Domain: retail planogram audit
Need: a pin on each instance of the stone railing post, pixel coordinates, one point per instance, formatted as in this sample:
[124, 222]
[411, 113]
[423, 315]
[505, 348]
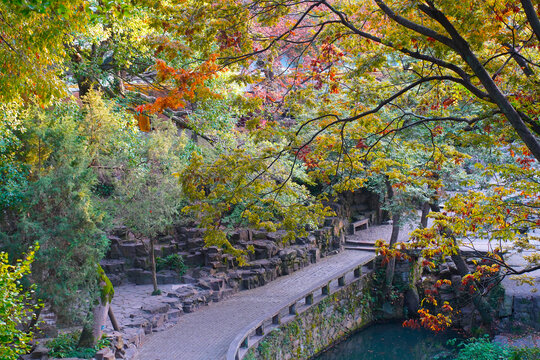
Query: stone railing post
[325, 290]
[292, 309]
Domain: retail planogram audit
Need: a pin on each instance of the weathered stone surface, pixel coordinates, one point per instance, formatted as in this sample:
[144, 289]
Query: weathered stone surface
[506, 307]
[158, 320]
[131, 353]
[241, 235]
[139, 276]
[167, 239]
[113, 266]
[194, 243]
[259, 235]
[40, 351]
[287, 254]
[523, 309]
[277, 236]
[195, 259]
[167, 277]
[167, 250]
[104, 354]
[135, 337]
[119, 231]
[312, 329]
[183, 291]
[127, 250]
[142, 250]
[193, 232]
[142, 262]
[314, 255]
[210, 283]
[156, 307]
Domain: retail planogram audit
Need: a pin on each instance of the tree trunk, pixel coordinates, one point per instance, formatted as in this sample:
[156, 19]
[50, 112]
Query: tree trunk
[425, 212]
[32, 324]
[479, 302]
[463, 49]
[85, 85]
[93, 327]
[153, 264]
[393, 240]
[114, 322]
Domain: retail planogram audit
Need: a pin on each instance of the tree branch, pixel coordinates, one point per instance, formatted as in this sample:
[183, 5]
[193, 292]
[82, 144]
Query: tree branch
[532, 17]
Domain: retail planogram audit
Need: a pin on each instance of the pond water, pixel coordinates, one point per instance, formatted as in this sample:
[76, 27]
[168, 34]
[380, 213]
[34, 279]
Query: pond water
[392, 342]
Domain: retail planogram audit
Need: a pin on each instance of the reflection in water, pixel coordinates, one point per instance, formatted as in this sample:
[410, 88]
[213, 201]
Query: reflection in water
[391, 342]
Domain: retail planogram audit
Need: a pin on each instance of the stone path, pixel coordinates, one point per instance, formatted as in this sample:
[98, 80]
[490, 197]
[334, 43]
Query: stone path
[207, 333]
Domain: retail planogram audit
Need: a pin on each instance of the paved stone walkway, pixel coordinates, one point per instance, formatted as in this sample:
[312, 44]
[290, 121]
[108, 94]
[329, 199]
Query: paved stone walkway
[207, 333]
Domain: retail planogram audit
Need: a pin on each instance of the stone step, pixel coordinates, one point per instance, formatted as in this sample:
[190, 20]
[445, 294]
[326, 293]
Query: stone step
[361, 248]
[359, 242]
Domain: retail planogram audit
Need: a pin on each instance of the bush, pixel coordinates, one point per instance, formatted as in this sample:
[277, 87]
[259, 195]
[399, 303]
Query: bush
[172, 262]
[483, 349]
[525, 354]
[17, 307]
[65, 346]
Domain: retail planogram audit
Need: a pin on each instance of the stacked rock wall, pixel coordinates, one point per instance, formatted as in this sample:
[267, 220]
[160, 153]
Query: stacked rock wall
[128, 258]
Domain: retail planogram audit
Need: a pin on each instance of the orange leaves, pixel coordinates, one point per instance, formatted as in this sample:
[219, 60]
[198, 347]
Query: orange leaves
[437, 323]
[437, 130]
[446, 307]
[442, 282]
[228, 40]
[361, 144]
[187, 84]
[411, 323]
[447, 102]
[143, 122]
[388, 253]
[467, 279]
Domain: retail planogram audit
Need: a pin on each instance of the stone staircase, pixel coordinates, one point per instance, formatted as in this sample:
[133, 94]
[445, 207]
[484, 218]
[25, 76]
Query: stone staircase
[355, 242]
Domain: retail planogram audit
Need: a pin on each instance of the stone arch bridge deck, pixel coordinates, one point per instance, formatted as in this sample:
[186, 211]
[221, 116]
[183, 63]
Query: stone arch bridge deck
[207, 333]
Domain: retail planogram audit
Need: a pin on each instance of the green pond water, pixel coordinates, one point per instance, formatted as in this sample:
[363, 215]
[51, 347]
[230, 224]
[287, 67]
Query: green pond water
[392, 342]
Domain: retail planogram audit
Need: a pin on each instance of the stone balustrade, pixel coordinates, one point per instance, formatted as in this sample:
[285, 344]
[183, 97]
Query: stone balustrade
[256, 332]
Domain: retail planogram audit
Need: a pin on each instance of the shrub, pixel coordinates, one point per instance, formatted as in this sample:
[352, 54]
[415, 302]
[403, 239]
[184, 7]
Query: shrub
[481, 349]
[525, 354]
[172, 262]
[17, 307]
[65, 346]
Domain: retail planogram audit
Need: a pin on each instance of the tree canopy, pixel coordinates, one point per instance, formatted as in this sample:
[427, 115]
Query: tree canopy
[290, 103]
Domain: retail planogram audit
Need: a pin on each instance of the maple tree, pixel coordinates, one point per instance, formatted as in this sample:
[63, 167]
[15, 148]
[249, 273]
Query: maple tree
[356, 77]
[391, 95]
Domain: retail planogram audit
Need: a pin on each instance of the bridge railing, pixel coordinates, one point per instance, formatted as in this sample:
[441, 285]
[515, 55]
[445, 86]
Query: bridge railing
[255, 332]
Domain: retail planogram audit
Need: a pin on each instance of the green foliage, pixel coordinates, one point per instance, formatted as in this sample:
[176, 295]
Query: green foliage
[65, 346]
[107, 289]
[148, 195]
[63, 149]
[17, 306]
[480, 349]
[172, 262]
[13, 172]
[525, 354]
[57, 209]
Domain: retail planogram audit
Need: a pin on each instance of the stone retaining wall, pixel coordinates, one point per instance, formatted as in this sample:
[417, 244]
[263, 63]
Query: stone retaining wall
[320, 326]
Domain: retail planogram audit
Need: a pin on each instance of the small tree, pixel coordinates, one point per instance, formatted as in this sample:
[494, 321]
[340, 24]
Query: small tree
[149, 193]
[17, 307]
